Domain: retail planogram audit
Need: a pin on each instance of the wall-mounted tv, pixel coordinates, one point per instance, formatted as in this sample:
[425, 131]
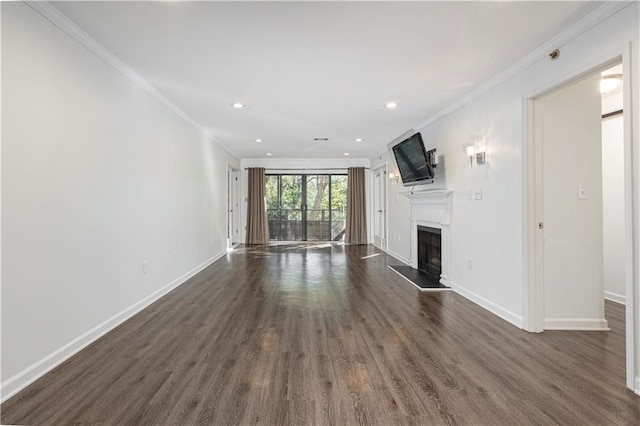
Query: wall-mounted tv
[414, 162]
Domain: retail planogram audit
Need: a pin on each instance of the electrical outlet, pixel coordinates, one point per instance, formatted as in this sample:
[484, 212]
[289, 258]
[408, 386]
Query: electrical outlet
[478, 194]
[469, 263]
[145, 267]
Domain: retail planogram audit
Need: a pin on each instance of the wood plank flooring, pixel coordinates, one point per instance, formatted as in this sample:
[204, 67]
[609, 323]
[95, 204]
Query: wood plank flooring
[319, 335]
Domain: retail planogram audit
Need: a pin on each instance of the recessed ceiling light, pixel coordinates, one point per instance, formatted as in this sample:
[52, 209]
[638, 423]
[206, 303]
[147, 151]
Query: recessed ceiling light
[258, 140]
[610, 82]
[238, 105]
[358, 139]
[391, 105]
[268, 154]
[346, 153]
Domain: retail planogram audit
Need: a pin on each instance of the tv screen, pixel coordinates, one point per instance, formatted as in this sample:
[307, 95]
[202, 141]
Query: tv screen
[413, 161]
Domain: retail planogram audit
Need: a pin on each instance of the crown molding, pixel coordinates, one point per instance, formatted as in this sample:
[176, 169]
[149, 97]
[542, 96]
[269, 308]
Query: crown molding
[61, 21]
[608, 9]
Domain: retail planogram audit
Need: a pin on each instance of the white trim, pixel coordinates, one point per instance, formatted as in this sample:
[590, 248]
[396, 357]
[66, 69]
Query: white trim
[580, 27]
[1, 190]
[60, 20]
[636, 389]
[490, 306]
[631, 281]
[577, 324]
[417, 286]
[529, 241]
[24, 378]
[615, 297]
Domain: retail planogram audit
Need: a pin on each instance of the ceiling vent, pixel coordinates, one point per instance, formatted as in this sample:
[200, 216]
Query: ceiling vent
[320, 139]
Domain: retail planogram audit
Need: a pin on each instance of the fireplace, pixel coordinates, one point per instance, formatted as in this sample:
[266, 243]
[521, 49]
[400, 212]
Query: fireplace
[430, 250]
[432, 210]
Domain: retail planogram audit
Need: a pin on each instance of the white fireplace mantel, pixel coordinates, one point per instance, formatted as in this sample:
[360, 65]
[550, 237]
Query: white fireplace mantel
[432, 209]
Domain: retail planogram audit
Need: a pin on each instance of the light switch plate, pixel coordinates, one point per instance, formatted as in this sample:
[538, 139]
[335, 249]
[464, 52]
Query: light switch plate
[582, 192]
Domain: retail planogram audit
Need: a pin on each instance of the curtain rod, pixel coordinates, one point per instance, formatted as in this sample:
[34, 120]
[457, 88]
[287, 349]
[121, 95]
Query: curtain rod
[311, 168]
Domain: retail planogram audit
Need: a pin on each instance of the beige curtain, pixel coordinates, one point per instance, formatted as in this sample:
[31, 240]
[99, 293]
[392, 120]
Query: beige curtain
[257, 225]
[356, 231]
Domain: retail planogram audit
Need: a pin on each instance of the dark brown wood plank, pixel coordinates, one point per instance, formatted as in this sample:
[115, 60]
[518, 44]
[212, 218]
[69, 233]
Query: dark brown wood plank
[317, 335]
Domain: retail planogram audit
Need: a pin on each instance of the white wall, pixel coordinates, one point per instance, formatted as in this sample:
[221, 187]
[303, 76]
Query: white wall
[490, 231]
[613, 200]
[302, 166]
[97, 177]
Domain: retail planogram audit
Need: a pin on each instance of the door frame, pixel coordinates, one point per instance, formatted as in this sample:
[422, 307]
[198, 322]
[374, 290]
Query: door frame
[304, 205]
[533, 289]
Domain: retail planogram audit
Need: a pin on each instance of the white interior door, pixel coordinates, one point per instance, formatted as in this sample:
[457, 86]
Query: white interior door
[229, 208]
[569, 146]
[235, 196]
[379, 208]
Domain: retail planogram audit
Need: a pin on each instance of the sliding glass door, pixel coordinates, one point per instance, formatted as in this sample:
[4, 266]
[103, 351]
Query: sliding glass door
[306, 207]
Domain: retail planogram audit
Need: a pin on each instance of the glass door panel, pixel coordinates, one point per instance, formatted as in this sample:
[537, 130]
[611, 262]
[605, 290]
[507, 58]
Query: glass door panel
[318, 212]
[338, 207]
[291, 228]
[272, 194]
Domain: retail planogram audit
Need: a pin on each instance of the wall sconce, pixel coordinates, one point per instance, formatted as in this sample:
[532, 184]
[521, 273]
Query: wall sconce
[479, 157]
[471, 151]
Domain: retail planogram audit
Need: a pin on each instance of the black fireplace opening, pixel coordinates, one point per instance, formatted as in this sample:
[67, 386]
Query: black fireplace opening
[429, 251]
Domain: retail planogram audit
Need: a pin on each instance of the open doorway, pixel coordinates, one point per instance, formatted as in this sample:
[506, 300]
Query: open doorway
[613, 231]
[579, 198]
[568, 138]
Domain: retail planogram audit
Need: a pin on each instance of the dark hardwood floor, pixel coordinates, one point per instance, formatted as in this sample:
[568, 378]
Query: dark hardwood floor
[319, 335]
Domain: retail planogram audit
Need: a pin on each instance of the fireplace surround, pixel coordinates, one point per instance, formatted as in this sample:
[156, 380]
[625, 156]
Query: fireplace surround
[432, 209]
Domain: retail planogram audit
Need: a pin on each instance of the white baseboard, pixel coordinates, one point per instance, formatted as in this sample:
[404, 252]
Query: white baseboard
[397, 256]
[637, 386]
[578, 324]
[19, 381]
[615, 297]
[503, 313]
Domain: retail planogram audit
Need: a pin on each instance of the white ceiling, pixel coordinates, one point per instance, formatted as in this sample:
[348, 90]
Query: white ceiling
[318, 69]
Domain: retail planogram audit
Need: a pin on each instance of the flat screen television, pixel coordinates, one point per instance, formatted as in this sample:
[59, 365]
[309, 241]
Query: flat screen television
[414, 162]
